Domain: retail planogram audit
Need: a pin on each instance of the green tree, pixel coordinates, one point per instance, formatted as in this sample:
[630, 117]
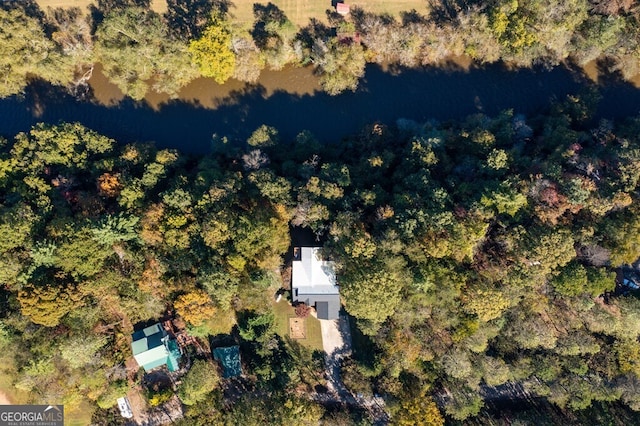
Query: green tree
[273, 34]
[363, 283]
[80, 256]
[113, 391]
[80, 351]
[69, 145]
[513, 27]
[199, 382]
[263, 136]
[115, 229]
[26, 50]
[418, 411]
[620, 234]
[505, 200]
[261, 238]
[487, 304]
[341, 65]
[134, 48]
[571, 281]
[221, 285]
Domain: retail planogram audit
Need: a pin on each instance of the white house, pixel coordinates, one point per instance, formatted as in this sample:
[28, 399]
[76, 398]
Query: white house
[313, 282]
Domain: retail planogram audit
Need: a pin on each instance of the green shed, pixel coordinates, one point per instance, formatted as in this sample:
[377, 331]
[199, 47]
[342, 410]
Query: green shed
[153, 348]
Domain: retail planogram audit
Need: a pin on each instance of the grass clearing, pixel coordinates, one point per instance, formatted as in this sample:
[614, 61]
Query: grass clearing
[222, 323]
[79, 416]
[283, 311]
[300, 11]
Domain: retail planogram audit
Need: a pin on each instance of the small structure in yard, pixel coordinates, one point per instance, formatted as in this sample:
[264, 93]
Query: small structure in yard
[125, 407]
[152, 347]
[342, 9]
[313, 282]
[229, 357]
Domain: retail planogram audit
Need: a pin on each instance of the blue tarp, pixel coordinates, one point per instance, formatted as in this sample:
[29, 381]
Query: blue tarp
[230, 359]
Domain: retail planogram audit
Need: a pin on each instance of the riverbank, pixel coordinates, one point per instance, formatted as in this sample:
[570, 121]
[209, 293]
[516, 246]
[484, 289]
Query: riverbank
[301, 81]
[236, 110]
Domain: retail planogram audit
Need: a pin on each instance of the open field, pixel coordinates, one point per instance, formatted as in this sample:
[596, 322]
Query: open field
[298, 11]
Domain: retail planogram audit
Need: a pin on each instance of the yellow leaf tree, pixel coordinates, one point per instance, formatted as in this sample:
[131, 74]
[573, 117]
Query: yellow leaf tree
[46, 305]
[212, 51]
[418, 411]
[195, 307]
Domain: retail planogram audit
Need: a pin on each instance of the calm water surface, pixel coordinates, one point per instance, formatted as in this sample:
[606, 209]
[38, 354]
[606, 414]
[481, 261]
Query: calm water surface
[291, 101]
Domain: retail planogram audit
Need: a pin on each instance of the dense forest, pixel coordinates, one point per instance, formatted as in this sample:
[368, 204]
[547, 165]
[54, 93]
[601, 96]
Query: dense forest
[473, 256]
[141, 50]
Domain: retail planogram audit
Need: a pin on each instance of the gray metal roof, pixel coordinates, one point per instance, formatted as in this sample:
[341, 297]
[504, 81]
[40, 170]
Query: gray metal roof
[327, 305]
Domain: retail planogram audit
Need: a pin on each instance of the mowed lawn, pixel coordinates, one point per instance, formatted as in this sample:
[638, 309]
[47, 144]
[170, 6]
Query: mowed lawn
[298, 11]
[283, 311]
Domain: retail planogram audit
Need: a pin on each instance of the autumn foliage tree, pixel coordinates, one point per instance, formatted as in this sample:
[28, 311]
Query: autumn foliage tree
[212, 52]
[195, 307]
[302, 310]
[418, 410]
[48, 305]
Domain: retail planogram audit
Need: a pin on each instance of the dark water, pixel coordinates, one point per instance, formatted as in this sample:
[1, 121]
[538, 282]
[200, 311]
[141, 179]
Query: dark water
[384, 97]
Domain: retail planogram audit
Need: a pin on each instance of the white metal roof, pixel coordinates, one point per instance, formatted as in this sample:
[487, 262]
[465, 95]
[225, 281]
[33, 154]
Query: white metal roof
[312, 275]
[125, 407]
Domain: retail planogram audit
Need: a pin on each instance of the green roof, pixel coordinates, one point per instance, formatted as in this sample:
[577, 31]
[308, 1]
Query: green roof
[152, 348]
[230, 360]
[174, 355]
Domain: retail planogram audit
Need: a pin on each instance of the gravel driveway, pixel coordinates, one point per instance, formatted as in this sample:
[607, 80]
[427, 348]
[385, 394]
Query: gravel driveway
[336, 341]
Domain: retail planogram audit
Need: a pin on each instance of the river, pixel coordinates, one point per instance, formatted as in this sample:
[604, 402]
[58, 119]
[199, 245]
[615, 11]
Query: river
[291, 101]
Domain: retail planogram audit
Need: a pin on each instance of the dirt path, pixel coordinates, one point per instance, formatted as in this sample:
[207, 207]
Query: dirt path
[4, 399]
